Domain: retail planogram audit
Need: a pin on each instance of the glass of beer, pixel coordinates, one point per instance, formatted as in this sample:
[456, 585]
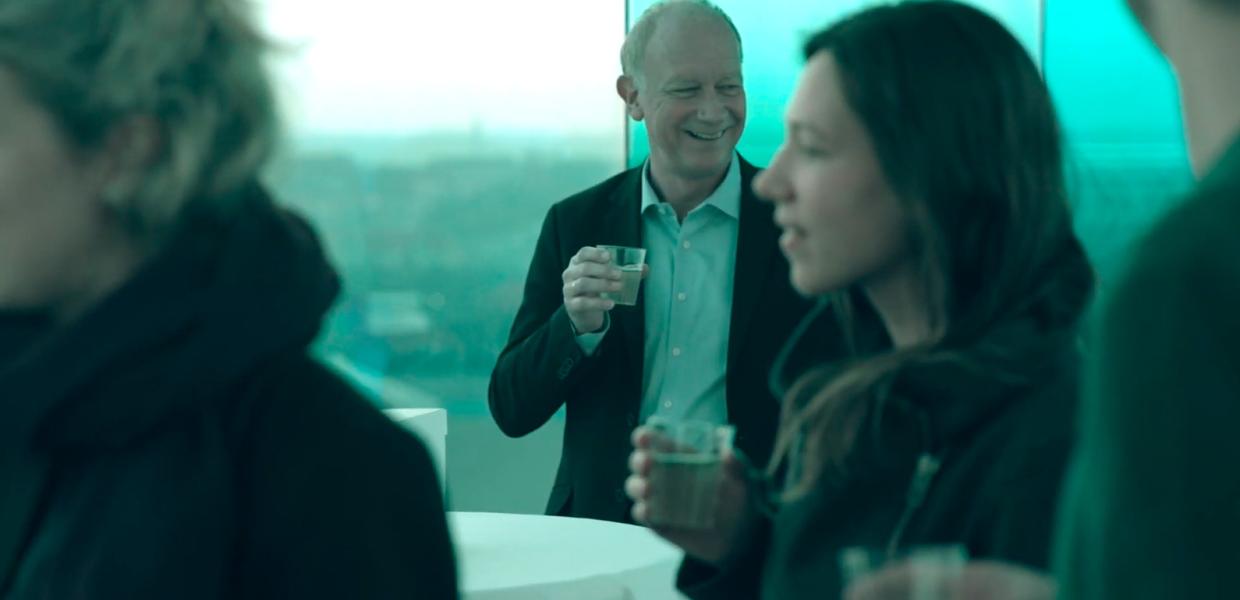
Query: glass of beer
[630, 262]
[685, 476]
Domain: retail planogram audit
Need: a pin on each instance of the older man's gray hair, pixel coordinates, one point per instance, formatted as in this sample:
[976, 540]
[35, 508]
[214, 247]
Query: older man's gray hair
[633, 53]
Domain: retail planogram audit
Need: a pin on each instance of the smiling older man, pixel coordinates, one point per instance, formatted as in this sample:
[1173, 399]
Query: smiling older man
[714, 307]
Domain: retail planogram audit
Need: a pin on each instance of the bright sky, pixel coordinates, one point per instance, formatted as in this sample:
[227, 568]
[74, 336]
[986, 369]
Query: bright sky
[400, 66]
[396, 66]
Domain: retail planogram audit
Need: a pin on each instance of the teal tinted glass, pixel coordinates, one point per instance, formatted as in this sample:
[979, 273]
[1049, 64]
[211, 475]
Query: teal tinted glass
[772, 34]
[427, 159]
[1115, 96]
[1117, 99]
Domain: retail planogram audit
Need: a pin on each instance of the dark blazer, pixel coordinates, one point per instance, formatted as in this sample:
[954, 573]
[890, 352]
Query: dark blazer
[961, 455]
[177, 441]
[542, 368]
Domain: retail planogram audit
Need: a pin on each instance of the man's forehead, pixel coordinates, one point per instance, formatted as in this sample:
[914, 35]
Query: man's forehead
[708, 60]
[698, 72]
[683, 39]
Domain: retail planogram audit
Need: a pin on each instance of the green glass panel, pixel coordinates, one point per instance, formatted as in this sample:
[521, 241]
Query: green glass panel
[773, 33]
[1115, 95]
[1117, 99]
[425, 143]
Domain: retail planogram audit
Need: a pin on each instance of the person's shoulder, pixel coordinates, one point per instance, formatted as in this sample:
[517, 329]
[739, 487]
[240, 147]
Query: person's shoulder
[1035, 431]
[1175, 300]
[1198, 238]
[316, 460]
[296, 401]
[1183, 274]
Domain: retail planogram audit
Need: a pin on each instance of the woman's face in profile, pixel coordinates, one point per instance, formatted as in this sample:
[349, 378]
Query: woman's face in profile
[842, 223]
[50, 218]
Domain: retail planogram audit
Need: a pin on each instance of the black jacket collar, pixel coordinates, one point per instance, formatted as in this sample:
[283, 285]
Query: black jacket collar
[223, 296]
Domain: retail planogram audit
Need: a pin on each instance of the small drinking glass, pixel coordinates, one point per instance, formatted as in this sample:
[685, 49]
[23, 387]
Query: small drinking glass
[685, 476]
[630, 262]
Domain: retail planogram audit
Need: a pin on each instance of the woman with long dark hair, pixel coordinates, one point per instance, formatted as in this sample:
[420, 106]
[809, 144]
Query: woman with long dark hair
[922, 197]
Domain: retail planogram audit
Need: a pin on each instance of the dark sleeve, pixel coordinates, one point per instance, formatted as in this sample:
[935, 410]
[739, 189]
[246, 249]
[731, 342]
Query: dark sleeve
[18, 331]
[343, 503]
[1022, 525]
[739, 577]
[1152, 508]
[542, 362]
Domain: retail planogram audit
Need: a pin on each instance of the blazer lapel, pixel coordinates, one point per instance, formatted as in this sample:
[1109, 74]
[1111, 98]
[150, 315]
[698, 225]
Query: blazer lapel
[756, 244]
[623, 227]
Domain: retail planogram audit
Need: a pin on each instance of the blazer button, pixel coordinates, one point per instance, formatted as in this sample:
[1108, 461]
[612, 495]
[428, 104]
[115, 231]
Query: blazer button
[566, 367]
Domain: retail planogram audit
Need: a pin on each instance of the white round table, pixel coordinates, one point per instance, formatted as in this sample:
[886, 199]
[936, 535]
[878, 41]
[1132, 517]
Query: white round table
[535, 557]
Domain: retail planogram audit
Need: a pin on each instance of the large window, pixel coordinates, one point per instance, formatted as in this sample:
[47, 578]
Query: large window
[1118, 102]
[427, 145]
[426, 142]
[773, 33]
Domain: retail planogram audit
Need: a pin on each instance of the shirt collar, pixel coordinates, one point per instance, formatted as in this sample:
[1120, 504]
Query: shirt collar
[726, 198]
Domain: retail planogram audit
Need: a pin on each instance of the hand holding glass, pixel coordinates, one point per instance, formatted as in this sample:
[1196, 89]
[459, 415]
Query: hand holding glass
[630, 261]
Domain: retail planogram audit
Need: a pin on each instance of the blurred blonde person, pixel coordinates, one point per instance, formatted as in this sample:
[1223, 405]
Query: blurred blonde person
[163, 431]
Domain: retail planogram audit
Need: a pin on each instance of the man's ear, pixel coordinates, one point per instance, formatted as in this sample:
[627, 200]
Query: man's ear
[626, 87]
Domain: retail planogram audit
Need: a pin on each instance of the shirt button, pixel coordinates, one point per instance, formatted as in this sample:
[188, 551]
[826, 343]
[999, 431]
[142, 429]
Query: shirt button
[681, 296]
[667, 404]
[687, 244]
[675, 351]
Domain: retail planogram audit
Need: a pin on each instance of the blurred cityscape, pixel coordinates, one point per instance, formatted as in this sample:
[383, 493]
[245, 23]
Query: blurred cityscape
[433, 231]
[433, 235]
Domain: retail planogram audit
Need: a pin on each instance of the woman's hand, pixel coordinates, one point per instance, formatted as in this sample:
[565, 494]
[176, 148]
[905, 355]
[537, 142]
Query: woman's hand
[734, 506]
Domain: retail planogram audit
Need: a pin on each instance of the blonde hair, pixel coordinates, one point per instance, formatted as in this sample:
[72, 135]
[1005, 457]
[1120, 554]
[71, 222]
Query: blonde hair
[633, 52]
[195, 67]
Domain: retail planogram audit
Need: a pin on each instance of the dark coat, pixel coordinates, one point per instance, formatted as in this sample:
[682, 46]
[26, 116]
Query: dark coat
[961, 456]
[177, 441]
